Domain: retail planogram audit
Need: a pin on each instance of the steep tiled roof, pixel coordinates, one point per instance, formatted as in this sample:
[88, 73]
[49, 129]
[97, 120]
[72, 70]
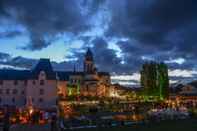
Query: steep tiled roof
[43, 65]
[14, 74]
[64, 75]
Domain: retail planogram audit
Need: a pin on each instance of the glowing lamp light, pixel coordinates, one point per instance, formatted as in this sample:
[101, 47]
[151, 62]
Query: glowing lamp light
[31, 111]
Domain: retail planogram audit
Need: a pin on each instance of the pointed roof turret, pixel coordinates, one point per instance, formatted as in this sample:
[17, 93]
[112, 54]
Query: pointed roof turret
[89, 55]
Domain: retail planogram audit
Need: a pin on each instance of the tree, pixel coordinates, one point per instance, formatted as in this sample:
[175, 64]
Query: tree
[154, 80]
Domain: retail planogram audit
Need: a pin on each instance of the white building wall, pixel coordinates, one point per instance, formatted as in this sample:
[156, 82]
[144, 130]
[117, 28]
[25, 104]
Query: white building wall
[19, 95]
[12, 94]
[42, 99]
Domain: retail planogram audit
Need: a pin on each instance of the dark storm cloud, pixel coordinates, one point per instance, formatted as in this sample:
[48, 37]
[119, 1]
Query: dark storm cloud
[44, 18]
[105, 58]
[4, 56]
[10, 34]
[92, 6]
[150, 22]
[155, 29]
[160, 29]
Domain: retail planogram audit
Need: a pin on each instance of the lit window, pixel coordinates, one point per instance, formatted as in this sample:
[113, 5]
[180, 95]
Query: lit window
[41, 82]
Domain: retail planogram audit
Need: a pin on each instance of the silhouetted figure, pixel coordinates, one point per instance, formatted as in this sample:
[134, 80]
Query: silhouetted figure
[6, 125]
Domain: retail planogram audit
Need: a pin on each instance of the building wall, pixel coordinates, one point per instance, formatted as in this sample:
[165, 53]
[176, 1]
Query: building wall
[29, 92]
[26, 92]
[42, 95]
[12, 92]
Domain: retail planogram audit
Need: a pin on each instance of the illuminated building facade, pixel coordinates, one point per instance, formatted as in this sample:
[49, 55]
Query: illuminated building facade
[88, 82]
[188, 93]
[35, 87]
[41, 86]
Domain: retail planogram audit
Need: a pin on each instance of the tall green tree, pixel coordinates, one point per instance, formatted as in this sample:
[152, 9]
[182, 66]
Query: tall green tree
[154, 79]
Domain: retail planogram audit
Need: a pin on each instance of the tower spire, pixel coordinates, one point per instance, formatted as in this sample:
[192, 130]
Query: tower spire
[89, 62]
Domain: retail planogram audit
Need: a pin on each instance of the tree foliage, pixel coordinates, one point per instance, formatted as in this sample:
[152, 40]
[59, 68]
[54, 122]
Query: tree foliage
[155, 80]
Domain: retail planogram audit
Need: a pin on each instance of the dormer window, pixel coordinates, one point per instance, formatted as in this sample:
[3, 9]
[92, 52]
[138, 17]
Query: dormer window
[42, 75]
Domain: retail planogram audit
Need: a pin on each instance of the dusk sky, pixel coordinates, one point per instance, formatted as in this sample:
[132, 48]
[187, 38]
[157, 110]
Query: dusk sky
[122, 34]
